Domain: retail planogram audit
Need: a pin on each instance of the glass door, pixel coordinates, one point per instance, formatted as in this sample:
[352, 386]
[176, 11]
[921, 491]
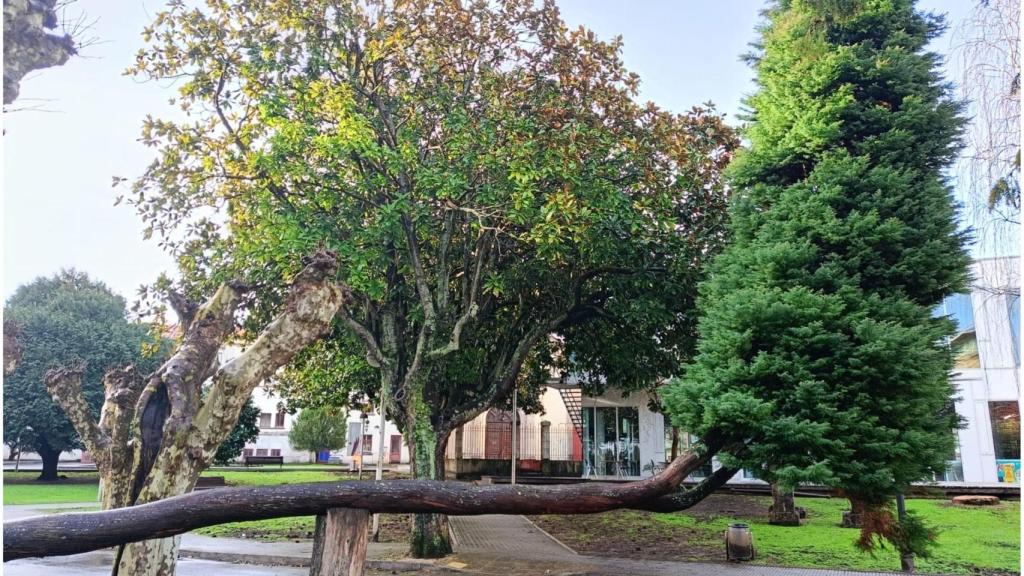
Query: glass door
[611, 441]
[629, 441]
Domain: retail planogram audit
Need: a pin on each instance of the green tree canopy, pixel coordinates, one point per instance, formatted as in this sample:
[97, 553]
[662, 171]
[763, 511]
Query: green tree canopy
[817, 345]
[62, 320]
[484, 174]
[319, 429]
[246, 430]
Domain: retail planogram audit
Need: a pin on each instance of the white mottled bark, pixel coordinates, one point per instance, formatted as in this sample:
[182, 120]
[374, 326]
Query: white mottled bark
[108, 440]
[193, 431]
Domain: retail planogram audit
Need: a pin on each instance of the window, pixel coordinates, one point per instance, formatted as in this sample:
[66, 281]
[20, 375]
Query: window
[265, 420]
[964, 342]
[367, 443]
[1014, 306]
[1005, 418]
[275, 451]
[247, 452]
[279, 420]
[261, 451]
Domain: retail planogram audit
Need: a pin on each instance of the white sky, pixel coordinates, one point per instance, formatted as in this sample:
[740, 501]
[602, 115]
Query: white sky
[59, 163]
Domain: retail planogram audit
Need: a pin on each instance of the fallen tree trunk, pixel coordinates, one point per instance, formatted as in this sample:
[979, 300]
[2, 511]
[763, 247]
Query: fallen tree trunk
[63, 534]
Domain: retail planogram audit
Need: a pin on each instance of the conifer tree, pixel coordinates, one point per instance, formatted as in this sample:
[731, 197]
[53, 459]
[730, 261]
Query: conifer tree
[817, 342]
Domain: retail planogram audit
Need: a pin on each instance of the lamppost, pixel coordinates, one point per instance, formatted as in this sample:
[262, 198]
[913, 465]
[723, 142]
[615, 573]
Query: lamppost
[362, 436]
[515, 430]
[379, 474]
[17, 461]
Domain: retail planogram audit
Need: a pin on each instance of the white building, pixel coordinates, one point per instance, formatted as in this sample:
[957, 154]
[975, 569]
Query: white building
[275, 423]
[987, 373]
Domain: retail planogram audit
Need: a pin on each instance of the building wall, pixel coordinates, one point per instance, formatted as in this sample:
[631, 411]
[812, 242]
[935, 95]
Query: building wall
[996, 281]
[371, 451]
[651, 429]
[275, 437]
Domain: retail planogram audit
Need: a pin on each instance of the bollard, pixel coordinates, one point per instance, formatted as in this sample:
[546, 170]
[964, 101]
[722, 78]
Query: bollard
[739, 543]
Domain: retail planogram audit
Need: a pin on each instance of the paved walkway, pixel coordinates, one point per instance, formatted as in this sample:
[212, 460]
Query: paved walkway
[504, 535]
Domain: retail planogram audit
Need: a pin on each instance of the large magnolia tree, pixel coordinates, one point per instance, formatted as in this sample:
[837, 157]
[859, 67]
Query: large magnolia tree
[491, 188]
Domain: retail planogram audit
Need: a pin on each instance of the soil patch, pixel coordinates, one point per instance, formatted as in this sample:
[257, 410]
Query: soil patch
[635, 534]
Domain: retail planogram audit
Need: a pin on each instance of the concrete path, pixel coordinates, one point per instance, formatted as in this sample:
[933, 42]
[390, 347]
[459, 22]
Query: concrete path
[499, 534]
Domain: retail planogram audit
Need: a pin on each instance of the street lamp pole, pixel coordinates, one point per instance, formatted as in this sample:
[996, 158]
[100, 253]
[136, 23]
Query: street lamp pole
[515, 429]
[362, 448]
[380, 469]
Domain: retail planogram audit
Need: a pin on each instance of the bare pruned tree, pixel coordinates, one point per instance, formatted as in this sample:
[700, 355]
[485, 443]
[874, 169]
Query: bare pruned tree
[987, 51]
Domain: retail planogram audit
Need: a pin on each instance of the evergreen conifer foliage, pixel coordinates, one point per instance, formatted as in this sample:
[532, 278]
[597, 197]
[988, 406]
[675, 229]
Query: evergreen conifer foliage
[817, 342]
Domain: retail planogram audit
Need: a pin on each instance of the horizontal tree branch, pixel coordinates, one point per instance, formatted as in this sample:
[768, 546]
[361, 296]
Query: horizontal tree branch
[63, 534]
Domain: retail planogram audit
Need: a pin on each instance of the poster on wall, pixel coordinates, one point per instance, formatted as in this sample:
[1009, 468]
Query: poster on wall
[1008, 471]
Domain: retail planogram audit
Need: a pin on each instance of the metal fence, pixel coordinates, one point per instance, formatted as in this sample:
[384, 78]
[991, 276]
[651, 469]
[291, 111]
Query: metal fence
[494, 441]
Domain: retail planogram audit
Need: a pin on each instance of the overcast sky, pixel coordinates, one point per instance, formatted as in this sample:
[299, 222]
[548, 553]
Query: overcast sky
[59, 161]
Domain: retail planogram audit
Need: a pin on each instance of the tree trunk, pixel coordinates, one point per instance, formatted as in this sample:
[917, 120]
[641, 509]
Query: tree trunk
[675, 442]
[430, 536]
[854, 517]
[783, 511]
[339, 543]
[51, 458]
[149, 558]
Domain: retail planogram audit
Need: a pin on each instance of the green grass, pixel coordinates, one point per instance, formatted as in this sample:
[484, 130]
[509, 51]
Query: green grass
[20, 488]
[272, 529]
[262, 477]
[985, 538]
[49, 493]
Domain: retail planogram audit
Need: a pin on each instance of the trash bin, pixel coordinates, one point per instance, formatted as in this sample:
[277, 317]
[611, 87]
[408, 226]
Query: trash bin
[739, 543]
[323, 456]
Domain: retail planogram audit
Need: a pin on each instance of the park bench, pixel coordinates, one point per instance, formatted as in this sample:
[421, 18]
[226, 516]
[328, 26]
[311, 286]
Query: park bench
[279, 460]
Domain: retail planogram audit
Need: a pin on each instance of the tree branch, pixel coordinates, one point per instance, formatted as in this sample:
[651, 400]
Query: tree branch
[688, 498]
[65, 387]
[313, 300]
[374, 357]
[426, 299]
[62, 534]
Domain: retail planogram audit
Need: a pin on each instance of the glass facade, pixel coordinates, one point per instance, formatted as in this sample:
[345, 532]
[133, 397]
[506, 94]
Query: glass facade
[965, 342]
[1005, 418]
[1014, 307]
[611, 441]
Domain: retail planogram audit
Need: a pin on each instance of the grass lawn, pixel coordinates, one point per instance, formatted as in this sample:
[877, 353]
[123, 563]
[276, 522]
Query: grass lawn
[984, 540]
[49, 493]
[21, 487]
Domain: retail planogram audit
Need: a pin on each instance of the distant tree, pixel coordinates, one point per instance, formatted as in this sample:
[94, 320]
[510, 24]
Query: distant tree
[246, 430]
[318, 429]
[62, 320]
[817, 341]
